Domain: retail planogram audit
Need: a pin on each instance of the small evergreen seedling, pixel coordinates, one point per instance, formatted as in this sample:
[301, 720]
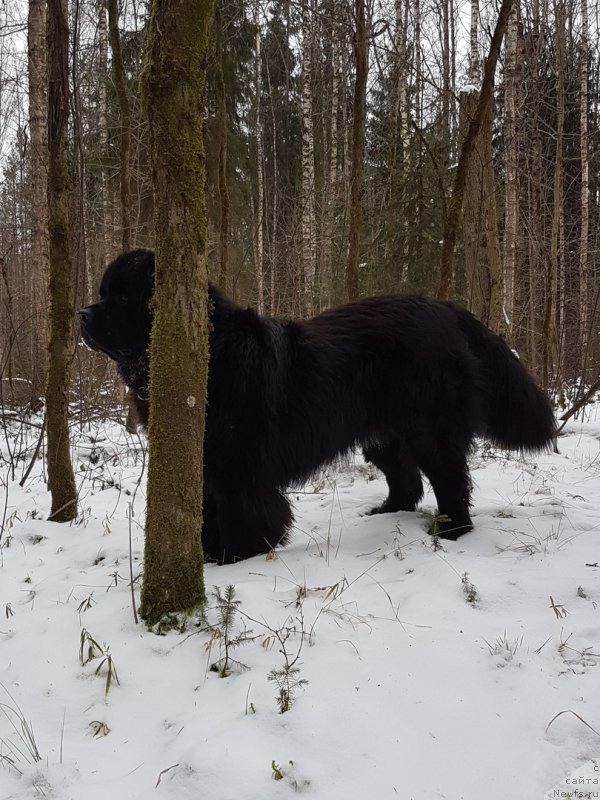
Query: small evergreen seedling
[287, 681]
[224, 632]
[469, 590]
[286, 678]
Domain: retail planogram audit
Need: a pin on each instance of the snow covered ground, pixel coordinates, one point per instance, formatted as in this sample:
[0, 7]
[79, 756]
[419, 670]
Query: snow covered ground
[431, 673]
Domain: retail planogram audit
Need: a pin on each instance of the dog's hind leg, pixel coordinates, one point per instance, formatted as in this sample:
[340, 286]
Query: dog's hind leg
[405, 487]
[444, 464]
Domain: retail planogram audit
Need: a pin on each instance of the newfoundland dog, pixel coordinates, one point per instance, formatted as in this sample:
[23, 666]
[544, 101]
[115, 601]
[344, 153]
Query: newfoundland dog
[410, 380]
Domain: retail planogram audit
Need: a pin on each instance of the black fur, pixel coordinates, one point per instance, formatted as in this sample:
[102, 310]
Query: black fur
[410, 380]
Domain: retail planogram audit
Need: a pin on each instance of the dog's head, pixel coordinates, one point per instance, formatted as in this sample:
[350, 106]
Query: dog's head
[120, 323]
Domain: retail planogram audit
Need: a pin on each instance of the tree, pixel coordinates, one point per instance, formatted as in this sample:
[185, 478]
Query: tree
[309, 234]
[105, 240]
[36, 60]
[61, 480]
[361, 62]
[549, 337]
[584, 276]
[451, 223]
[260, 184]
[511, 190]
[174, 79]
[223, 132]
[118, 72]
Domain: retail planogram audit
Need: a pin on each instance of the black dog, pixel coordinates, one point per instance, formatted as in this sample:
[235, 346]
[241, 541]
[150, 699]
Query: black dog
[411, 380]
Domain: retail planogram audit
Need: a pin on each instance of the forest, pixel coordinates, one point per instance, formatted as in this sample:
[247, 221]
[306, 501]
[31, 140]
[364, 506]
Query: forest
[256, 594]
[333, 137]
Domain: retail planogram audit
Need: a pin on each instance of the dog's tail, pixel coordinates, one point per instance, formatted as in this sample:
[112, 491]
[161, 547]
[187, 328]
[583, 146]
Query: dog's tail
[517, 413]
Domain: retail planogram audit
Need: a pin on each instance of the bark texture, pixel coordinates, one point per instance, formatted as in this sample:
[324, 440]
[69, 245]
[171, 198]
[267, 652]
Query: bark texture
[221, 97]
[36, 61]
[584, 271]
[61, 481]
[361, 62]
[452, 221]
[309, 233]
[511, 196]
[174, 80]
[120, 82]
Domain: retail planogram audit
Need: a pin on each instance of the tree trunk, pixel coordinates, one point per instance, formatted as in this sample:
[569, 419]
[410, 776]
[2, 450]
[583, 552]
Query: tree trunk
[511, 196]
[106, 230]
[120, 82]
[495, 275]
[275, 209]
[549, 329]
[309, 247]
[61, 481]
[224, 280]
[480, 227]
[452, 220]
[331, 170]
[477, 278]
[361, 62]
[36, 52]
[260, 198]
[445, 139]
[477, 282]
[79, 207]
[174, 81]
[584, 273]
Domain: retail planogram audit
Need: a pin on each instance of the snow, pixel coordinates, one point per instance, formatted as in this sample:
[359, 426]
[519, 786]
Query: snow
[431, 673]
[469, 88]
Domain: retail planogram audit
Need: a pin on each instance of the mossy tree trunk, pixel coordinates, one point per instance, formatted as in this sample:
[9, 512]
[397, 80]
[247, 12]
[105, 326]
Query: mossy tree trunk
[61, 480]
[174, 79]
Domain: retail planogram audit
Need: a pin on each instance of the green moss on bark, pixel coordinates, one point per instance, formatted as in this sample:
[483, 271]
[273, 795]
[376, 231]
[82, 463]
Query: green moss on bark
[173, 83]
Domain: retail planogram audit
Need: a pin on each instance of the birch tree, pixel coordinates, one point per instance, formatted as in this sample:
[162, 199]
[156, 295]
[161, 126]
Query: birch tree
[309, 247]
[36, 61]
